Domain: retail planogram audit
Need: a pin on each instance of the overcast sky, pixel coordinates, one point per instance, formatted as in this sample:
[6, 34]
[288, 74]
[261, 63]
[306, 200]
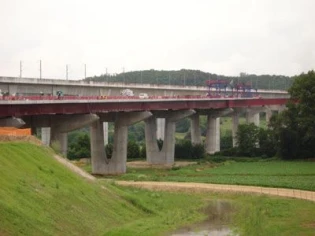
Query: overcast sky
[218, 36]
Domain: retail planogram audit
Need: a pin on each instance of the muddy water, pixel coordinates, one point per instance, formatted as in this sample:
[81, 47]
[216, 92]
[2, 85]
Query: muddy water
[219, 215]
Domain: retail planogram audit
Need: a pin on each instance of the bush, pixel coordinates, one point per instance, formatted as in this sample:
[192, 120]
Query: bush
[133, 150]
[226, 142]
[185, 150]
[198, 151]
[81, 148]
[109, 150]
[143, 152]
[247, 139]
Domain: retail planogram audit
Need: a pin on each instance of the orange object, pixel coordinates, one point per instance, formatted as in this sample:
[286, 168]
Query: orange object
[14, 131]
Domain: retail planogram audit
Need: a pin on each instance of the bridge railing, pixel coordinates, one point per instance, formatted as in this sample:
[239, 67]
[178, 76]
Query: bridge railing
[103, 97]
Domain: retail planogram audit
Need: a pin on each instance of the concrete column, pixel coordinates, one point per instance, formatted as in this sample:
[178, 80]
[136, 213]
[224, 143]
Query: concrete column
[117, 163]
[45, 134]
[98, 155]
[195, 129]
[218, 135]
[169, 142]
[105, 131]
[62, 125]
[235, 123]
[61, 139]
[166, 155]
[160, 131]
[252, 116]
[152, 149]
[268, 115]
[210, 144]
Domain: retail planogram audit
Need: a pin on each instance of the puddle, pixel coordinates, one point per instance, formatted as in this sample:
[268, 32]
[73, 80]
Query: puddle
[219, 215]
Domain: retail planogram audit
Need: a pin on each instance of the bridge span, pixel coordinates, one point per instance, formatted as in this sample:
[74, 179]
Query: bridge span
[33, 103]
[58, 116]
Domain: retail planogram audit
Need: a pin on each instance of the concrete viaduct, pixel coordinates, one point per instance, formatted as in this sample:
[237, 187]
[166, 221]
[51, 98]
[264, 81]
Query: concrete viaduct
[57, 117]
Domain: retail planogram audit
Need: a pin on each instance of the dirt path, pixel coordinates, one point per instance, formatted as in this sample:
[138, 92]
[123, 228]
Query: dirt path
[200, 187]
[74, 168]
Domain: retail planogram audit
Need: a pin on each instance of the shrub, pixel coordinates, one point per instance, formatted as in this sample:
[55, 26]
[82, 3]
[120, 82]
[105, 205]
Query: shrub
[109, 150]
[133, 150]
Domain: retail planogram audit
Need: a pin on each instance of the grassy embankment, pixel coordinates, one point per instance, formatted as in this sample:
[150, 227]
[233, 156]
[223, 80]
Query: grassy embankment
[38, 196]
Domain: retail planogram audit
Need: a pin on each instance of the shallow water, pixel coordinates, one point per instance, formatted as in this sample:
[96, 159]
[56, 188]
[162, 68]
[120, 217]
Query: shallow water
[219, 213]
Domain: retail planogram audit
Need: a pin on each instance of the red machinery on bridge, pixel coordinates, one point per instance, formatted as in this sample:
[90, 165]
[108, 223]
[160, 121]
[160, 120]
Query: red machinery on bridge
[224, 88]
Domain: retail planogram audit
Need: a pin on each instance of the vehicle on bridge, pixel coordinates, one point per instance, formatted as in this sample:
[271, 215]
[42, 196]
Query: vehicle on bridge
[127, 92]
[143, 95]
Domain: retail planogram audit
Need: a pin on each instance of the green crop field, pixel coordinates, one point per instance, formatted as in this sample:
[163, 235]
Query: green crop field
[284, 174]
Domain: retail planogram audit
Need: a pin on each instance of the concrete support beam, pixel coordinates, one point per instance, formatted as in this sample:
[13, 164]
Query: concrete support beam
[195, 129]
[235, 123]
[63, 125]
[166, 155]
[211, 140]
[105, 131]
[218, 135]
[117, 164]
[268, 114]
[253, 116]
[212, 143]
[99, 160]
[45, 134]
[11, 122]
[160, 134]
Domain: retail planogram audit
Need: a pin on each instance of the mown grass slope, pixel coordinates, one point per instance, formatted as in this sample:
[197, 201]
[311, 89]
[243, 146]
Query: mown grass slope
[38, 196]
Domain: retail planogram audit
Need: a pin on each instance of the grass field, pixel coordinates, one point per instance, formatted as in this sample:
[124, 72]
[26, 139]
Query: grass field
[284, 174]
[39, 196]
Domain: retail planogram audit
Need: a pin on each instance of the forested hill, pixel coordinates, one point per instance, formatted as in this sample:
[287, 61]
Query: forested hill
[195, 77]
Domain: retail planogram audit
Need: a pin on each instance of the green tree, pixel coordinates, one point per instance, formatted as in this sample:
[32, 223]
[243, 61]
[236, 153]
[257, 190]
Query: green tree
[295, 127]
[133, 150]
[247, 139]
[81, 148]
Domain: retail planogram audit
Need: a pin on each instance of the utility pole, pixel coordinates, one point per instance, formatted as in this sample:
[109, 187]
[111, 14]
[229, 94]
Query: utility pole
[106, 75]
[20, 69]
[40, 69]
[184, 78]
[195, 78]
[141, 77]
[169, 79]
[84, 71]
[124, 75]
[67, 72]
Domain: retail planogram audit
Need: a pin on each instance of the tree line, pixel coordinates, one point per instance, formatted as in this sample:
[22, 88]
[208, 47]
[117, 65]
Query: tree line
[187, 77]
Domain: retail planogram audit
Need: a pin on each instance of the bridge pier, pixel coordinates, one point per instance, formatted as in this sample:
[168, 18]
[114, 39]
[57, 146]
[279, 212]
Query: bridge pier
[166, 154]
[195, 129]
[212, 143]
[235, 123]
[117, 163]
